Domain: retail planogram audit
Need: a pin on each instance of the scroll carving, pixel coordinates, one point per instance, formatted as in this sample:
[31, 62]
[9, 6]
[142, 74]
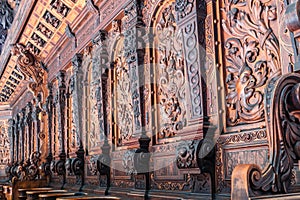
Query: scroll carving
[28, 170]
[283, 104]
[252, 58]
[171, 78]
[32, 69]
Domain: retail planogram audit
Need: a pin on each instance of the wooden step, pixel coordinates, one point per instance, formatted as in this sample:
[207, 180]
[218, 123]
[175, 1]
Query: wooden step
[34, 195]
[22, 191]
[53, 196]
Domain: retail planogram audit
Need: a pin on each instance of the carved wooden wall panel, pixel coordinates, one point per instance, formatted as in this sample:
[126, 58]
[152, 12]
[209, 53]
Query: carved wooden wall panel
[239, 148]
[251, 56]
[122, 98]
[171, 81]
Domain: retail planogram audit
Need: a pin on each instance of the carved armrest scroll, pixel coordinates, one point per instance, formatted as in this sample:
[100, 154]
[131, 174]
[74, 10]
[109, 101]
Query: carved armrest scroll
[283, 125]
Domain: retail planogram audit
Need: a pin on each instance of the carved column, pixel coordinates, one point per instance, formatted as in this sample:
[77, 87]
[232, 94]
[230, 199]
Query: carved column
[100, 65]
[16, 136]
[77, 92]
[28, 129]
[100, 79]
[36, 124]
[21, 135]
[49, 111]
[11, 139]
[61, 104]
[134, 50]
[134, 54]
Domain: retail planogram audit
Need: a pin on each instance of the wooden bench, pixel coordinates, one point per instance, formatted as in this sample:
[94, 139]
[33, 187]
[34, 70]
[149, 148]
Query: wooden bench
[22, 192]
[53, 196]
[89, 197]
[34, 195]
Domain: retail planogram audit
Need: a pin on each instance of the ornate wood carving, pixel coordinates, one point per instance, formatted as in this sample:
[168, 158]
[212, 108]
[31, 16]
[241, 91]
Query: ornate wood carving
[282, 98]
[125, 118]
[6, 142]
[6, 19]
[134, 55]
[171, 78]
[293, 24]
[11, 136]
[245, 139]
[28, 130]
[59, 166]
[60, 7]
[187, 22]
[32, 69]
[252, 58]
[77, 94]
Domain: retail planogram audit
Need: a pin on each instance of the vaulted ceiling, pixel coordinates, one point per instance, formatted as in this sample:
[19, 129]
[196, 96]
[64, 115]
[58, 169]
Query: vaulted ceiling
[40, 30]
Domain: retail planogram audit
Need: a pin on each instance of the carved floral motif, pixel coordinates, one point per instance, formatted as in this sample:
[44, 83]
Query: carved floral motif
[171, 80]
[183, 7]
[124, 101]
[252, 57]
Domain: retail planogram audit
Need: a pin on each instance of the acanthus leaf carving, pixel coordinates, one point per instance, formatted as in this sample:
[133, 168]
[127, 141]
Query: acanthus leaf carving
[252, 58]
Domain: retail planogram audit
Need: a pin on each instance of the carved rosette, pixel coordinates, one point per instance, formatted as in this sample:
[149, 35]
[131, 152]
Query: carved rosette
[170, 78]
[252, 57]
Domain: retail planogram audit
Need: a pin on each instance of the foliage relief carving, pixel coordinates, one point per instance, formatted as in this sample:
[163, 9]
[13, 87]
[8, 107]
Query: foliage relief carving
[252, 57]
[171, 80]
